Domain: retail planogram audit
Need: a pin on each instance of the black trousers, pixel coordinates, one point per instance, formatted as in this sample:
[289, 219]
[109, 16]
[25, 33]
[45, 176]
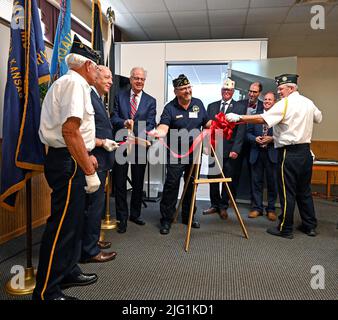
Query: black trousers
[95, 205]
[263, 165]
[294, 186]
[171, 189]
[120, 173]
[60, 244]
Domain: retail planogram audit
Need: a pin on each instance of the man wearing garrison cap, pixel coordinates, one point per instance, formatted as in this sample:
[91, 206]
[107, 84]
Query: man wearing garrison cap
[67, 127]
[183, 114]
[228, 154]
[292, 120]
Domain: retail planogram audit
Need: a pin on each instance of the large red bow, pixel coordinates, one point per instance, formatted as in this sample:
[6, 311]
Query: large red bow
[221, 123]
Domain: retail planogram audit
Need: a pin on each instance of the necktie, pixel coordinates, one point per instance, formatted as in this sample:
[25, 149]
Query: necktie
[133, 106]
[265, 130]
[223, 107]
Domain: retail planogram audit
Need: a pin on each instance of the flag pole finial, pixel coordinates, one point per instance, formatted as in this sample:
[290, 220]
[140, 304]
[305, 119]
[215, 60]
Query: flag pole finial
[111, 15]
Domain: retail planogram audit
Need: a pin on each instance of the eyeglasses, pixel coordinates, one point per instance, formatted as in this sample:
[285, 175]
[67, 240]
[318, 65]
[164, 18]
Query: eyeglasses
[252, 91]
[139, 79]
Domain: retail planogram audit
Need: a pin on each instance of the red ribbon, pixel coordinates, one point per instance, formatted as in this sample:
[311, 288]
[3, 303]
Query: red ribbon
[220, 123]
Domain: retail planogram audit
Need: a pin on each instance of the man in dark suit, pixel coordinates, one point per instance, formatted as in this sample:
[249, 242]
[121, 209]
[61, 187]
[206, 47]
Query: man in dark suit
[230, 152]
[104, 145]
[263, 158]
[135, 110]
[253, 106]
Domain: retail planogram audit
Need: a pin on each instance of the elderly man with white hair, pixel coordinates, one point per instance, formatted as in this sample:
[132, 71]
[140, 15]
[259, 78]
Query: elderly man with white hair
[67, 127]
[292, 120]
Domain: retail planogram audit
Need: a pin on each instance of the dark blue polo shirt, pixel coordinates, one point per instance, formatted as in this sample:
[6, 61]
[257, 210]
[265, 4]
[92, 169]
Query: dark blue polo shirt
[176, 117]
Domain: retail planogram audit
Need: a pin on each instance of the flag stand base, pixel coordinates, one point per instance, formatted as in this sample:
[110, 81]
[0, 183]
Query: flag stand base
[28, 287]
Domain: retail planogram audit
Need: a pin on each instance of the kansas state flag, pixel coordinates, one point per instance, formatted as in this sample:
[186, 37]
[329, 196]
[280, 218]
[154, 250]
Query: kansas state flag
[62, 41]
[22, 151]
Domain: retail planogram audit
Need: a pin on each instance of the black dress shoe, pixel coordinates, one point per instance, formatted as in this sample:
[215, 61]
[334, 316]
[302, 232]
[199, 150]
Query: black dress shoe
[122, 226]
[65, 297]
[138, 221]
[211, 210]
[104, 244]
[121, 229]
[61, 297]
[165, 228]
[309, 232]
[82, 279]
[195, 224]
[275, 232]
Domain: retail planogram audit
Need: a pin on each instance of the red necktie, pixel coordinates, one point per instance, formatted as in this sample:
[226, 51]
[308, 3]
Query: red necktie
[133, 106]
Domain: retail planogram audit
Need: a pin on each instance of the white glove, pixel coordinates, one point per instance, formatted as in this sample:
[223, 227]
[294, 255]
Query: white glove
[233, 117]
[109, 145]
[93, 183]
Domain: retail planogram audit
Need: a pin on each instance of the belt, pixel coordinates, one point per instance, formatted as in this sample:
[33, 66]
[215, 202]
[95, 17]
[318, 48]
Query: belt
[300, 146]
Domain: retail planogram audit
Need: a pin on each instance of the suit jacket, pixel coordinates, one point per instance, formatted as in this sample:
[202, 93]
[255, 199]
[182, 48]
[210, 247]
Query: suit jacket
[146, 112]
[238, 135]
[256, 130]
[259, 108]
[103, 130]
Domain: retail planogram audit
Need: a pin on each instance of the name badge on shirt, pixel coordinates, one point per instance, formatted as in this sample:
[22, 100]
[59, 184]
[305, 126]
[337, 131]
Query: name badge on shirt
[193, 115]
[179, 116]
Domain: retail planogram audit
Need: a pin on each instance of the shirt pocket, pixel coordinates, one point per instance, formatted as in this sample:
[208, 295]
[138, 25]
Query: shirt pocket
[89, 108]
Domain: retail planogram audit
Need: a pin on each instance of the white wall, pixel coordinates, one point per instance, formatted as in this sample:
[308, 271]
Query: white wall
[154, 56]
[319, 81]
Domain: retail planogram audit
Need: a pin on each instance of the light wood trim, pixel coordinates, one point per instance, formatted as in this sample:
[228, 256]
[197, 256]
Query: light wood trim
[324, 150]
[13, 224]
[216, 180]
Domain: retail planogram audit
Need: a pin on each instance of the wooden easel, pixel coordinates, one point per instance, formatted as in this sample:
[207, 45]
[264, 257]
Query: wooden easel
[196, 168]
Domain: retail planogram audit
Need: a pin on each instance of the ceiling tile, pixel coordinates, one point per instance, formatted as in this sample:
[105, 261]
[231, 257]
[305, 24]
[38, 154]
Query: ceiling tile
[144, 5]
[227, 17]
[332, 15]
[135, 34]
[126, 20]
[299, 14]
[191, 5]
[154, 19]
[191, 33]
[189, 18]
[267, 15]
[116, 5]
[261, 31]
[227, 32]
[269, 3]
[228, 4]
[295, 29]
[161, 33]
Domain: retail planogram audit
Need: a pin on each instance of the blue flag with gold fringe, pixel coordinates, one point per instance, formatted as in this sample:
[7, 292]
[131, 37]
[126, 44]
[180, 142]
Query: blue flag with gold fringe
[22, 151]
[62, 41]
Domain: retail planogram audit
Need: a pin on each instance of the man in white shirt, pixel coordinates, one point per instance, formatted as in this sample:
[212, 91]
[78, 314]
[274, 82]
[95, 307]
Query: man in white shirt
[292, 120]
[67, 127]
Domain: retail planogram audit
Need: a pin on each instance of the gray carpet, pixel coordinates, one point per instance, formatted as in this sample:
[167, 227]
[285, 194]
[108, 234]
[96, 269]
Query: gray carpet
[220, 264]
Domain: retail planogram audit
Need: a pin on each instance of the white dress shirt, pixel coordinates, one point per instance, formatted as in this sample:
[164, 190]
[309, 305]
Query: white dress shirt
[69, 96]
[295, 127]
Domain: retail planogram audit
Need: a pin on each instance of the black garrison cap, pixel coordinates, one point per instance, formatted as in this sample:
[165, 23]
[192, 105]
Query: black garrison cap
[79, 48]
[286, 78]
[182, 80]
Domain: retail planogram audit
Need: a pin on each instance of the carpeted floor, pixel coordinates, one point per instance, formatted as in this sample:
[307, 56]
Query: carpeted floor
[220, 264]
